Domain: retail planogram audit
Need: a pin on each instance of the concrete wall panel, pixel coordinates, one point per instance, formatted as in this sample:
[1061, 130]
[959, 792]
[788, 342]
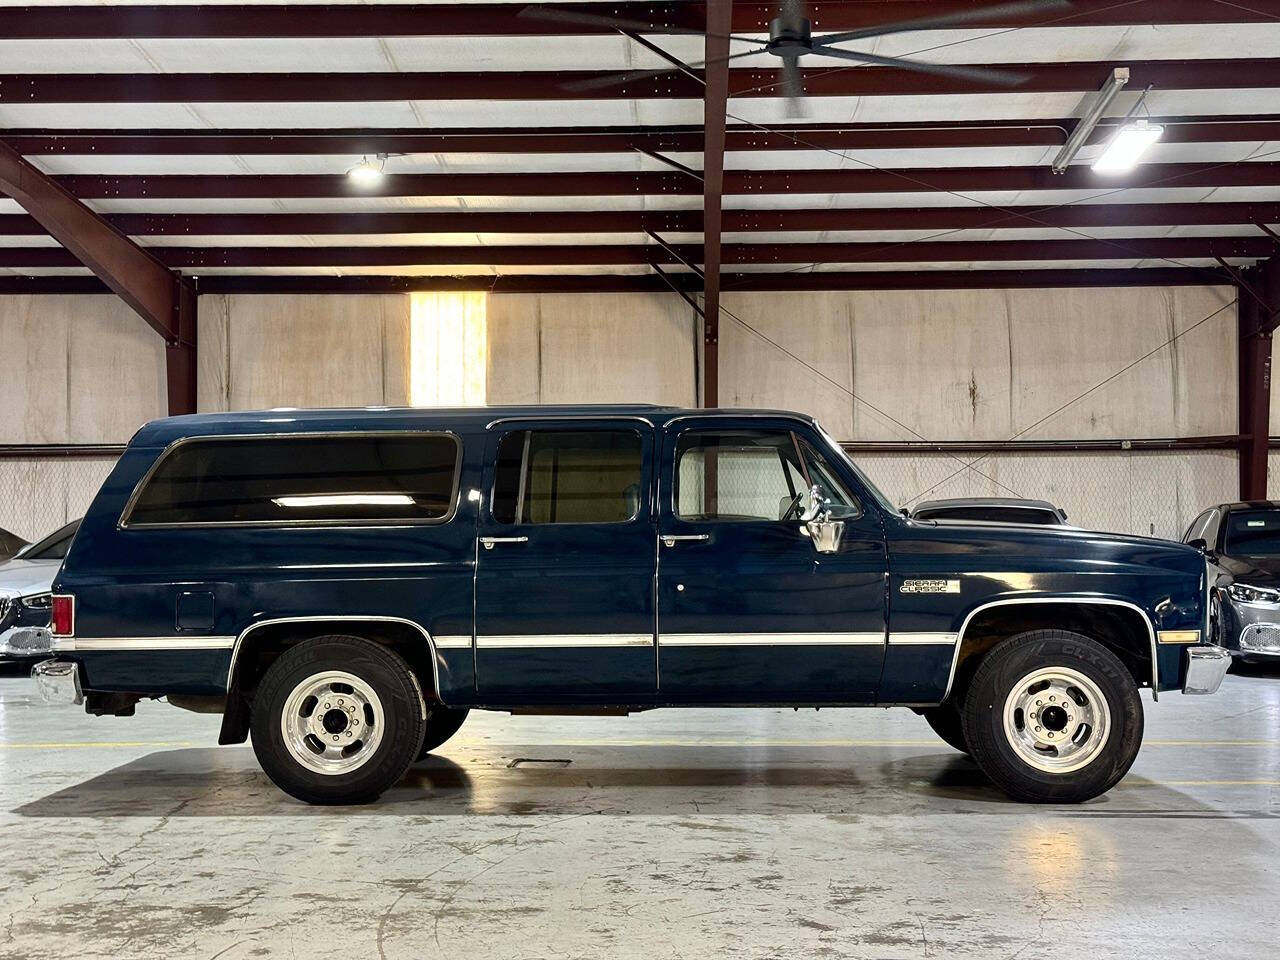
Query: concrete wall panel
[77, 369]
[758, 365]
[988, 364]
[936, 361]
[313, 351]
[597, 348]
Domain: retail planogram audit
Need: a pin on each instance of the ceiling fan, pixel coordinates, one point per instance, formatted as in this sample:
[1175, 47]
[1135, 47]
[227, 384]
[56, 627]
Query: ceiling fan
[791, 37]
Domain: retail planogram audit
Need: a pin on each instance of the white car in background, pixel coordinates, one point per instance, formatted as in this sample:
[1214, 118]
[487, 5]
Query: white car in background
[25, 580]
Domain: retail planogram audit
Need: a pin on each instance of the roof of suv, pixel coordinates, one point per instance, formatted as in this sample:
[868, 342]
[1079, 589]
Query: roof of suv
[291, 420]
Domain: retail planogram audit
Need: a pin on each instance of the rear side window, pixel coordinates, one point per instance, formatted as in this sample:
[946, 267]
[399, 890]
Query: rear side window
[310, 479]
[568, 476]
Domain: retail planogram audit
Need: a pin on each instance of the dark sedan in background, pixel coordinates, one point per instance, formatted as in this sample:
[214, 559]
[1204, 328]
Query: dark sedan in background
[991, 510]
[1242, 542]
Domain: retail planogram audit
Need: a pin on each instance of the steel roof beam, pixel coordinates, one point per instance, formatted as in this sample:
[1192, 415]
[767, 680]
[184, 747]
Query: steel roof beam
[551, 140]
[556, 85]
[677, 221]
[923, 251]
[739, 182]
[503, 19]
[516, 283]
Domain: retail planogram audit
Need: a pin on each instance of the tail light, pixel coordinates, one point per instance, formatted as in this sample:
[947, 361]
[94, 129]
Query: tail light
[62, 615]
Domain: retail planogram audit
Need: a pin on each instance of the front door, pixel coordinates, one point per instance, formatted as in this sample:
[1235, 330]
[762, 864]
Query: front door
[564, 605]
[748, 610]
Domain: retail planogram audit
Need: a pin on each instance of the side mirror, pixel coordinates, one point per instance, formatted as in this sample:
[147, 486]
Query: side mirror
[1200, 543]
[813, 504]
[825, 533]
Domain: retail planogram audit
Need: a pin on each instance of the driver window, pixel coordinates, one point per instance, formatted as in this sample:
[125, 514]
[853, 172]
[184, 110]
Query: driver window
[737, 475]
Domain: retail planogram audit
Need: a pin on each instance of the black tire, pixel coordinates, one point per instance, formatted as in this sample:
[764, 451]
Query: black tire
[1009, 765]
[401, 722]
[442, 723]
[947, 724]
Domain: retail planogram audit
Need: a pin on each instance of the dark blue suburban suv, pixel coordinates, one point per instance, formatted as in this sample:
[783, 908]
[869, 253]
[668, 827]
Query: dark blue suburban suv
[344, 585]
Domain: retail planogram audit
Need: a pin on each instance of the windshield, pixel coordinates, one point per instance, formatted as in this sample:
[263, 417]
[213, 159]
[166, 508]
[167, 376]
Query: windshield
[52, 547]
[870, 487]
[1252, 533]
[10, 544]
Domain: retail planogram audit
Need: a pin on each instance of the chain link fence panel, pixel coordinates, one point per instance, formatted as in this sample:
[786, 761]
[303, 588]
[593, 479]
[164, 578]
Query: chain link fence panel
[1142, 492]
[1150, 492]
[40, 494]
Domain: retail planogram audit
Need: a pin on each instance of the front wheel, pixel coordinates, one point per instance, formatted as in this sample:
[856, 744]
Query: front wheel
[1053, 717]
[337, 720]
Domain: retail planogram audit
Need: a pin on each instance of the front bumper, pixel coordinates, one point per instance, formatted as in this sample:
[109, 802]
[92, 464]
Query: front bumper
[1250, 629]
[1206, 666]
[26, 642]
[1260, 640]
[58, 682]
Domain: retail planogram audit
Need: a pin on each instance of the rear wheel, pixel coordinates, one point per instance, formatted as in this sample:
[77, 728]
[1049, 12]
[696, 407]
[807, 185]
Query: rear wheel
[442, 723]
[948, 724]
[337, 720]
[1053, 717]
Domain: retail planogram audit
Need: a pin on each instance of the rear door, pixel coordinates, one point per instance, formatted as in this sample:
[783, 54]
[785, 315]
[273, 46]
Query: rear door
[564, 605]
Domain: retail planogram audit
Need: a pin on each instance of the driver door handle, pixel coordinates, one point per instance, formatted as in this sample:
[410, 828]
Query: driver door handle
[488, 542]
[671, 539]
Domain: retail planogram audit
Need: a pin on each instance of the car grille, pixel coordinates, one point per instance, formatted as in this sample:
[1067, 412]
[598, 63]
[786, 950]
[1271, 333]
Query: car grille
[1261, 638]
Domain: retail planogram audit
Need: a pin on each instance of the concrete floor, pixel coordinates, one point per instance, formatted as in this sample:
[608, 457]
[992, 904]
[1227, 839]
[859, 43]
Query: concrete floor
[670, 834]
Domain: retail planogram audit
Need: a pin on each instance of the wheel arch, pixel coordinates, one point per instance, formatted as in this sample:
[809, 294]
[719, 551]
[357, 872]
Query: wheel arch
[1120, 625]
[258, 645]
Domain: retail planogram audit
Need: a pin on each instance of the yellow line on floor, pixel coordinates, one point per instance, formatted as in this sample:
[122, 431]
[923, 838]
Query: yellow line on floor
[1204, 783]
[96, 743]
[700, 742]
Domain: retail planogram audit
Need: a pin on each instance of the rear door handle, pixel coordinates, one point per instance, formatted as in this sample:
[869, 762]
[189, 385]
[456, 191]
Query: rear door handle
[488, 542]
[671, 539]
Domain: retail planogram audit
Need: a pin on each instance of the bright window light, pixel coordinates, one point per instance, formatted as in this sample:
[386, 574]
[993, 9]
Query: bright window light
[345, 500]
[448, 349]
[1127, 147]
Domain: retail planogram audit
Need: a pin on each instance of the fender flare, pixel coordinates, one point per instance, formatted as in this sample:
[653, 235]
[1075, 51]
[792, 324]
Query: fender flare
[1068, 599]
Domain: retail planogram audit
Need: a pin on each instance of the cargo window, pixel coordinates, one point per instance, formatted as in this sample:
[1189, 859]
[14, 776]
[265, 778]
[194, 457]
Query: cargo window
[568, 476]
[360, 478]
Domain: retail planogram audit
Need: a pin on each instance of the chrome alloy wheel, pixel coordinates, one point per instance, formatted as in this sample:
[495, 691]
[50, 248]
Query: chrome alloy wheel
[1056, 719]
[332, 722]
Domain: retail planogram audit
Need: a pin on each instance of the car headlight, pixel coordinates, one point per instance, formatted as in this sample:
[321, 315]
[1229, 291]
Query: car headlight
[1247, 594]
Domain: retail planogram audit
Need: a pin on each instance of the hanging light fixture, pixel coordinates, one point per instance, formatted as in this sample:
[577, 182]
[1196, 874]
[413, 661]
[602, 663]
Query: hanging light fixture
[368, 172]
[1128, 145]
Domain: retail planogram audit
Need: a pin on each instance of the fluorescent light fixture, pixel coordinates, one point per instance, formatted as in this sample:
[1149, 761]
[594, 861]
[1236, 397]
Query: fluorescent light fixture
[368, 172]
[345, 500]
[1127, 147]
[1094, 106]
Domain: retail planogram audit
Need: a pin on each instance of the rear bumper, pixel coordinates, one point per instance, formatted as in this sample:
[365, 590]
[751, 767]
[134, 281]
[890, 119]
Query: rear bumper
[58, 682]
[1206, 666]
